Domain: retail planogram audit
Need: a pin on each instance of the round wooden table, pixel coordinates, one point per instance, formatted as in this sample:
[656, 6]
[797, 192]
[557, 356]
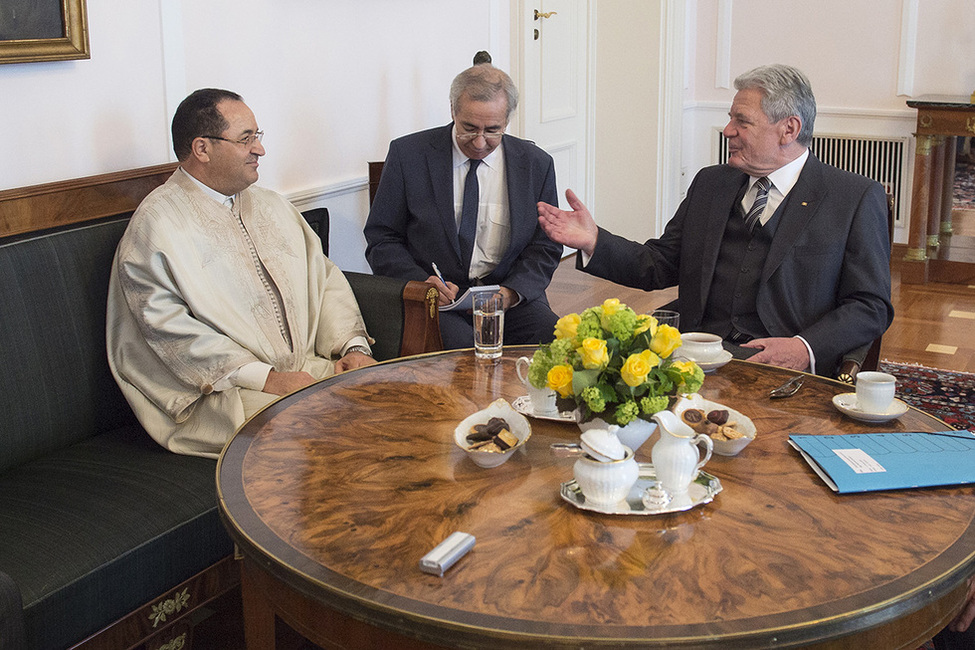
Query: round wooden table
[334, 493]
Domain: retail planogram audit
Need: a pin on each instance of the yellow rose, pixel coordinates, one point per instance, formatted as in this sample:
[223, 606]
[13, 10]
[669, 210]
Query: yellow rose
[651, 359]
[567, 326]
[594, 354]
[609, 307]
[559, 379]
[634, 372]
[665, 340]
[643, 323]
[685, 367]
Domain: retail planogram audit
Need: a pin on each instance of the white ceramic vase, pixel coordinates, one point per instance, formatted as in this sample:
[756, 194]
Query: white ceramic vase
[632, 435]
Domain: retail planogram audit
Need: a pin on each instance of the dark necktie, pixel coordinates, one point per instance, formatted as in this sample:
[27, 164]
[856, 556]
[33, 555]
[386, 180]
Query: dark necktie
[468, 216]
[764, 184]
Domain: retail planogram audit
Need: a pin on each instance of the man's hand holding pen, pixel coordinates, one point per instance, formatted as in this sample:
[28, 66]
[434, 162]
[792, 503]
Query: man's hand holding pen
[448, 290]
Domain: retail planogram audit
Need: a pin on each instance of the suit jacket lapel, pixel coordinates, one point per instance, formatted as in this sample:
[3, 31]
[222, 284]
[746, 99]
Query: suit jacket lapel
[440, 167]
[799, 208]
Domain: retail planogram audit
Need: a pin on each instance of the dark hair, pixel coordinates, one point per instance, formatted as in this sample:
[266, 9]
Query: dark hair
[196, 116]
[483, 83]
[786, 92]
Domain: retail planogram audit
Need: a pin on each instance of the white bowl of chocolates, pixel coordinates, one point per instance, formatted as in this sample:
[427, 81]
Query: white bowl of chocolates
[729, 430]
[491, 435]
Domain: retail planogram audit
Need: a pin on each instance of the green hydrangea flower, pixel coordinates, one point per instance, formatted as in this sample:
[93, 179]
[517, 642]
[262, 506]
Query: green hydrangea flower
[594, 399]
[626, 413]
[538, 370]
[622, 323]
[691, 382]
[589, 326]
[651, 405]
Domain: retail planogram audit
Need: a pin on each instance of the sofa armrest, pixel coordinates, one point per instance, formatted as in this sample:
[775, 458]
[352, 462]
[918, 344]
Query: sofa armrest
[401, 315]
[421, 319]
[12, 634]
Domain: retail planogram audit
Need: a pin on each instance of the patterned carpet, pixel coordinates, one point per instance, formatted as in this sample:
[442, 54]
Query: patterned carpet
[944, 394]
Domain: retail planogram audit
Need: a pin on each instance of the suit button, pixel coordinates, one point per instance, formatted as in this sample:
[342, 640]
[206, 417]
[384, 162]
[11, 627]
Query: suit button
[206, 389]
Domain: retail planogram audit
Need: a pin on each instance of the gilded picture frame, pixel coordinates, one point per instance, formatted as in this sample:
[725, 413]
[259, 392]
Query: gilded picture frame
[43, 30]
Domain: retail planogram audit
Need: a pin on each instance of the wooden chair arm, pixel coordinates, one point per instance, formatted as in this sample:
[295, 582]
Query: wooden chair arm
[421, 319]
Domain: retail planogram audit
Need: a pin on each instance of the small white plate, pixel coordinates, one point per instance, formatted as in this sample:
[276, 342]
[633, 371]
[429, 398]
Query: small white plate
[744, 423]
[847, 404]
[523, 405]
[709, 366]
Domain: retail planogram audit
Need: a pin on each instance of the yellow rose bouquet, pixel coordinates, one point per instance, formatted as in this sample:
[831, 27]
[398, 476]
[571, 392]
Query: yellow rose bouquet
[614, 364]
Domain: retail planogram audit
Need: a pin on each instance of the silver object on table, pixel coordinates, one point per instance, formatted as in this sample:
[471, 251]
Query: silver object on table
[702, 490]
[788, 389]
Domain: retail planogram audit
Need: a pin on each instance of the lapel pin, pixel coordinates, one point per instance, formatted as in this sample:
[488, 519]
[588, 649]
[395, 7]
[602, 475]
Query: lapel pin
[805, 203]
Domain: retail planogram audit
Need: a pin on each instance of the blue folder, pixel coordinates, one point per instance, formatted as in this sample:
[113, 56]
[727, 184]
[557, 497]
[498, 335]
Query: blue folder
[866, 462]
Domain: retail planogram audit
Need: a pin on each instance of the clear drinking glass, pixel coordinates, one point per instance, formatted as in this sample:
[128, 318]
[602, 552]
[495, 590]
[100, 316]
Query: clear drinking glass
[488, 325]
[667, 317]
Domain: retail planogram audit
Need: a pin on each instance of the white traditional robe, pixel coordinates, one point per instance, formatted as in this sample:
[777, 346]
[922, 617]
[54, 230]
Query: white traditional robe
[187, 305]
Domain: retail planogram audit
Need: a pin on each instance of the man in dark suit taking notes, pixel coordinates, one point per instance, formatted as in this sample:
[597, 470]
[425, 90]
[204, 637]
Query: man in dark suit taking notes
[774, 251]
[463, 197]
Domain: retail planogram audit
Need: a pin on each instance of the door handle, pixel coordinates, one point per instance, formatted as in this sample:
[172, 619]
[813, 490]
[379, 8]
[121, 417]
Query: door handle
[547, 14]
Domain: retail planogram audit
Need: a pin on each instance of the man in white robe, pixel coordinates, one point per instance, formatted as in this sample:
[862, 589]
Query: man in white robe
[220, 298]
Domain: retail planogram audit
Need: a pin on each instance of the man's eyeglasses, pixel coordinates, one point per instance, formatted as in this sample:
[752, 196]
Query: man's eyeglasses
[247, 141]
[490, 137]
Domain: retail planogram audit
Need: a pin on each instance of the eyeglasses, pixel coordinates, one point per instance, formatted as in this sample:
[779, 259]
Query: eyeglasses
[247, 141]
[490, 137]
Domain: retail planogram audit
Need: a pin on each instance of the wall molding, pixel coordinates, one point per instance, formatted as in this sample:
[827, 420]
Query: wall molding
[908, 48]
[722, 59]
[315, 196]
[673, 41]
[908, 114]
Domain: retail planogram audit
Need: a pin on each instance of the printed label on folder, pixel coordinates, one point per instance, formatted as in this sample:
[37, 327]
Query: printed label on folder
[859, 461]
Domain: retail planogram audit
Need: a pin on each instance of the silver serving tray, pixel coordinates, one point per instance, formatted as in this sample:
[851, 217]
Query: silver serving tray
[702, 490]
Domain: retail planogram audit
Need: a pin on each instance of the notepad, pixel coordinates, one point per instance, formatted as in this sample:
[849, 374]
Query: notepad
[865, 462]
[466, 301]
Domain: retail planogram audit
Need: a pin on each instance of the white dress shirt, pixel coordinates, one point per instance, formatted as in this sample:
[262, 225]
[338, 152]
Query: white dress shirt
[493, 234]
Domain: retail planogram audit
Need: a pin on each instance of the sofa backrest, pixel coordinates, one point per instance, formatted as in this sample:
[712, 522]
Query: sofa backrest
[57, 386]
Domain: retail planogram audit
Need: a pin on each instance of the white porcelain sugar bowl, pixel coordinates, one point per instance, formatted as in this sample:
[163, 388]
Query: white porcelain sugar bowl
[607, 471]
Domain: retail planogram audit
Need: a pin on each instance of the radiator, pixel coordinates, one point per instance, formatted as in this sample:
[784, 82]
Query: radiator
[882, 159]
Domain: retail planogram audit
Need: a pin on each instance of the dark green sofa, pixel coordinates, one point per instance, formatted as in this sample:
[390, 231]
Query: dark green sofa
[106, 539]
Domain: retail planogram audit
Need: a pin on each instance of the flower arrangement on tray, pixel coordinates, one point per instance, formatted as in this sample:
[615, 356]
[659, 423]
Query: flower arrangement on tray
[614, 364]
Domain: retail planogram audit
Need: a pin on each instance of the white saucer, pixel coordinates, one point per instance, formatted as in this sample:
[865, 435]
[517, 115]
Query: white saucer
[523, 405]
[709, 366]
[847, 404]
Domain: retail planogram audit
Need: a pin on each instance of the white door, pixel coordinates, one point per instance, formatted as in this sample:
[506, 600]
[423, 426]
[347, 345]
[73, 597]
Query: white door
[554, 39]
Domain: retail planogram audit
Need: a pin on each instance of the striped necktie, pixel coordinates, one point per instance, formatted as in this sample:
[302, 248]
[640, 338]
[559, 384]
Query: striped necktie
[468, 216]
[758, 207]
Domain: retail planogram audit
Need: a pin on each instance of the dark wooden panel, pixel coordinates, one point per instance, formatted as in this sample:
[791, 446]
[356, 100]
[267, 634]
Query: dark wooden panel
[40, 207]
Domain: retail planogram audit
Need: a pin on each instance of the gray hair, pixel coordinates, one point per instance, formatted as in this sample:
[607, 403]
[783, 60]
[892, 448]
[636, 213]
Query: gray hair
[483, 83]
[786, 92]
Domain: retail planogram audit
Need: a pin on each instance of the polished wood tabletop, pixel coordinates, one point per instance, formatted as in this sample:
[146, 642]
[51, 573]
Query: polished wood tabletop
[334, 493]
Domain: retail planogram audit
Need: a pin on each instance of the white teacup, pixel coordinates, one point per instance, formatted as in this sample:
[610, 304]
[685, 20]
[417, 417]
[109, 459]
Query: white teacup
[700, 346]
[542, 399]
[875, 391]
